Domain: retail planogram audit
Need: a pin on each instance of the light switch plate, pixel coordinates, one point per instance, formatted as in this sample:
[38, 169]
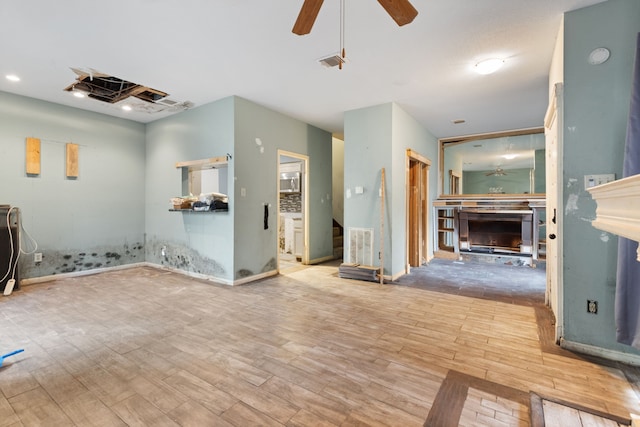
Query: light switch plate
[593, 180]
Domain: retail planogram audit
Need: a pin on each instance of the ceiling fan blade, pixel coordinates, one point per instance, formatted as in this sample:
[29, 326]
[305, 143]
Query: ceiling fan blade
[401, 11]
[307, 17]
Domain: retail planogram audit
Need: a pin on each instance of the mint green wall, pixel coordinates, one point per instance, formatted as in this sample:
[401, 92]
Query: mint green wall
[96, 220]
[194, 242]
[407, 133]
[256, 172]
[375, 138]
[367, 149]
[596, 105]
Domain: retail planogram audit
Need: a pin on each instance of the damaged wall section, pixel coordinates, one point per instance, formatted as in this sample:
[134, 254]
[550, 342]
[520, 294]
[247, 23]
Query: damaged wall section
[93, 221]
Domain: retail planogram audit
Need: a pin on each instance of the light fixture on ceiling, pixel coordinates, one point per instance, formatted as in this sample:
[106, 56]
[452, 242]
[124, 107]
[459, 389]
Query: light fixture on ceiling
[78, 94]
[126, 107]
[12, 78]
[489, 66]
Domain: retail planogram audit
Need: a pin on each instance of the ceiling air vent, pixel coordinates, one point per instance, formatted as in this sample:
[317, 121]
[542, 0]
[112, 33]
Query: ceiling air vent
[167, 102]
[331, 61]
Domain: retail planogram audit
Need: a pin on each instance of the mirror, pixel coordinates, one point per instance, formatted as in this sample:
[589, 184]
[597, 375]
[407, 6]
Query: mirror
[510, 162]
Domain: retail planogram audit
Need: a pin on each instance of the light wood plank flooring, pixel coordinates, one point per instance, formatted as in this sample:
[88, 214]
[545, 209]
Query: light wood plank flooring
[148, 347]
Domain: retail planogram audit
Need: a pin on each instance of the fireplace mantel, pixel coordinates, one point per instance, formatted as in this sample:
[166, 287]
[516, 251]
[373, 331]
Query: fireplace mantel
[618, 207]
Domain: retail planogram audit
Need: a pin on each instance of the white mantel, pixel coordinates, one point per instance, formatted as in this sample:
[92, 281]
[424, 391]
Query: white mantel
[618, 207]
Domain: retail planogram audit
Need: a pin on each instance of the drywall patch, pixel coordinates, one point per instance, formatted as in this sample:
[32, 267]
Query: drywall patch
[572, 204]
[604, 237]
[58, 262]
[182, 257]
[572, 182]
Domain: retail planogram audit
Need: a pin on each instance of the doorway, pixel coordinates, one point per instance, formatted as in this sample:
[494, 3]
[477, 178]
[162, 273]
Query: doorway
[292, 178]
[417, 169]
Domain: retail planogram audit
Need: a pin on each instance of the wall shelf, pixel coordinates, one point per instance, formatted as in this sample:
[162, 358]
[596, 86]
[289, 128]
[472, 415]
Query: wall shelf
[194, 211]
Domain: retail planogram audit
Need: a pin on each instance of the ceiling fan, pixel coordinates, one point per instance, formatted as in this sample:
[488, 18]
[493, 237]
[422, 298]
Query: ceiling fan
[402, 11]
[498, 171]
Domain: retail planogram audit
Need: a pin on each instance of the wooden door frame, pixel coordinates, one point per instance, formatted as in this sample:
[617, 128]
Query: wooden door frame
[304, 185]
[412, 155]
[554, 116]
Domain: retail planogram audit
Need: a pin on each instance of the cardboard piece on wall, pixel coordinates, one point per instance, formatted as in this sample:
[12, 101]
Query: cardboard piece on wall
[33, 156]
[72, 160]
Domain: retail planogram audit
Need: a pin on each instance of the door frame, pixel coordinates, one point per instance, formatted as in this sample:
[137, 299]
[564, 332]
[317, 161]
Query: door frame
[304, 186]
[423, 213]
[553, 123]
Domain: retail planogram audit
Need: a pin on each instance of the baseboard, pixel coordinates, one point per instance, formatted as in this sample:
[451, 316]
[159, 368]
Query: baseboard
[50, 278]
[217, 280]
[617, 356]
[255, 277]
[193, 275]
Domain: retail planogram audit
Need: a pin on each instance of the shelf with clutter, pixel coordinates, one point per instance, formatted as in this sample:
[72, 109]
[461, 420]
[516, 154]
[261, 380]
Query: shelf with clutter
[205, 182]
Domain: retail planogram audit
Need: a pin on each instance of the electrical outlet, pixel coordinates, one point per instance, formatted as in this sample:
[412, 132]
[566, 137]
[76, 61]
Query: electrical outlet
[37, 257]
[592, 306]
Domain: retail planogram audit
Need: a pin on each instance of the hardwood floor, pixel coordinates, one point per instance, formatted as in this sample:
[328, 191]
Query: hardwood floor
[147, 347]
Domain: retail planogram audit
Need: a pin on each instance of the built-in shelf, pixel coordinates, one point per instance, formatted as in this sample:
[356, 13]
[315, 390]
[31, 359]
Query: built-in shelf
[618, 208]
[191, 210]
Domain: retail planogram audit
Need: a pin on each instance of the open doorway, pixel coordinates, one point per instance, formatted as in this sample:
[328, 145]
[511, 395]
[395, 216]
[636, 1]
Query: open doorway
[417, 209]
[292, 210]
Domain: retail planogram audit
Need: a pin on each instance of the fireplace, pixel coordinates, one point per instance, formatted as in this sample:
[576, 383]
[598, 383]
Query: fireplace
[505, 231]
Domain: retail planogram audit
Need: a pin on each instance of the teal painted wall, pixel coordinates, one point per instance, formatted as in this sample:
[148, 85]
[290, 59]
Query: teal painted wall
[595, 114]
[194, 242]
[96, 220]
[375, 138]
[407, 133]
[256, 171]
[367, 149]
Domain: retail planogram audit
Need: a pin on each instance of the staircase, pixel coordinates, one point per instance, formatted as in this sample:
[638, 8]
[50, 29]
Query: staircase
[338, 240]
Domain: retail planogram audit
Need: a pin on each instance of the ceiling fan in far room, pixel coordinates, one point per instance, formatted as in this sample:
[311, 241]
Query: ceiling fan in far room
[498, 171]
[402, 11]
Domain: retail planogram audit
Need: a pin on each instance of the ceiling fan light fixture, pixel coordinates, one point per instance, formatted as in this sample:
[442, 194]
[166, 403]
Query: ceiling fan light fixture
[489, 66]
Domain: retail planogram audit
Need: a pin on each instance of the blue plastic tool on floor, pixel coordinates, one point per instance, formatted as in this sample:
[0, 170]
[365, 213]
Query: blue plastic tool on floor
[9, 354]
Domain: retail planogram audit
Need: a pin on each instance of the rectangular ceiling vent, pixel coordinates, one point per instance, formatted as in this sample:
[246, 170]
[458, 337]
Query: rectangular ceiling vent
[167, 102]
[331, 61]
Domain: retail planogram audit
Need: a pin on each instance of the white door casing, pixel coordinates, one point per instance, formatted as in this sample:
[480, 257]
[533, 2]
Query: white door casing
[553, 124]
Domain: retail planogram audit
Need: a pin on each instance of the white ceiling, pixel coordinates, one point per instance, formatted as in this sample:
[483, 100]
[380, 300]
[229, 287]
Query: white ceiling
[205, 50]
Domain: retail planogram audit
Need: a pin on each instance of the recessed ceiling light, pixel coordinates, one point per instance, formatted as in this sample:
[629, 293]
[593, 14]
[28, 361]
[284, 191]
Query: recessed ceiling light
[489, 66]
[13, 78]
[126, 107]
